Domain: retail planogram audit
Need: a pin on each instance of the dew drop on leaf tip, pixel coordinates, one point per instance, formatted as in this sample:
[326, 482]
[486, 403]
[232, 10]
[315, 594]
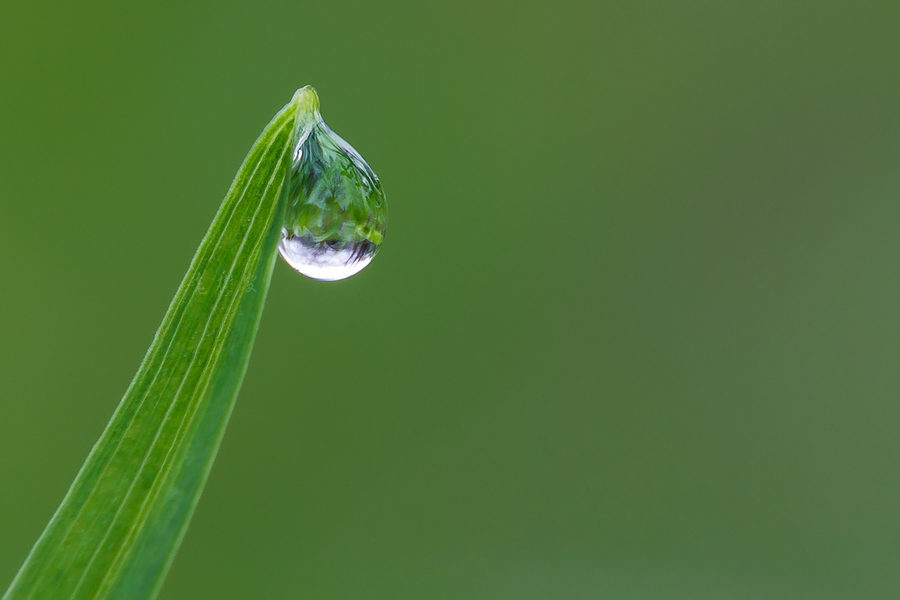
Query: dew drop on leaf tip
[336, 214]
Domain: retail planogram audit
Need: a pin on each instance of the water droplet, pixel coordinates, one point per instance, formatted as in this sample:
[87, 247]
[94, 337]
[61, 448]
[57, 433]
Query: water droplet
[336, 212]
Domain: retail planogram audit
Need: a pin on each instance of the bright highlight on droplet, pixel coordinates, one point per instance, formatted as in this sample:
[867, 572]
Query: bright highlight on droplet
[321, 261]
[336, 214]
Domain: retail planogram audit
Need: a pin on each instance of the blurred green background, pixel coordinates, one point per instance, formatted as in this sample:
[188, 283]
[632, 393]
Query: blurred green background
[634, 332]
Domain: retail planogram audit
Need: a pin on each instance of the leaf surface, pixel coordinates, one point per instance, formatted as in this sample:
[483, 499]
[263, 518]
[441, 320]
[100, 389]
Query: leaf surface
[118, 528]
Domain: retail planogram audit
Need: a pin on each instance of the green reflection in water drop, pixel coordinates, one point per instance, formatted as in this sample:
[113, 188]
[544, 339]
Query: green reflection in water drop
[336, 213]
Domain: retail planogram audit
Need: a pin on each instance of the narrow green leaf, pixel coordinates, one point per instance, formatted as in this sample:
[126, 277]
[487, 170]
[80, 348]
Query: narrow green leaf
[118, 528]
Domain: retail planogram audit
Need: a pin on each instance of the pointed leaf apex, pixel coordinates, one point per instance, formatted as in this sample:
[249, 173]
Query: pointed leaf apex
[307, 101]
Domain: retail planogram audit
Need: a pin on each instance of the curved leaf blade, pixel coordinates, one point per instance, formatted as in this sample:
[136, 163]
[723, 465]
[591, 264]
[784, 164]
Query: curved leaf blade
[118, 528]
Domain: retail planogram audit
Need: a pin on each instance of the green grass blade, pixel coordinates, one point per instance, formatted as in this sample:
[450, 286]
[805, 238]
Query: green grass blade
[118, 528]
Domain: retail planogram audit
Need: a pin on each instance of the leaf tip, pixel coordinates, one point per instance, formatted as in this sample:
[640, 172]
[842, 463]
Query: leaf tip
[307, 101]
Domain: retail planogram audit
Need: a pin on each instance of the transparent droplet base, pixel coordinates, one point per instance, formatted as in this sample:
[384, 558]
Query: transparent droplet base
[325, 261]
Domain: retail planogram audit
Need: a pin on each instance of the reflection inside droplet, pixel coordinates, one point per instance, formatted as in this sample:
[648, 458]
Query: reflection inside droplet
[336, 213]
[323, 260]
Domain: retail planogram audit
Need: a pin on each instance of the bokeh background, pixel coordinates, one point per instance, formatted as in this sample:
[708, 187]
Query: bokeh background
[634, 333]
